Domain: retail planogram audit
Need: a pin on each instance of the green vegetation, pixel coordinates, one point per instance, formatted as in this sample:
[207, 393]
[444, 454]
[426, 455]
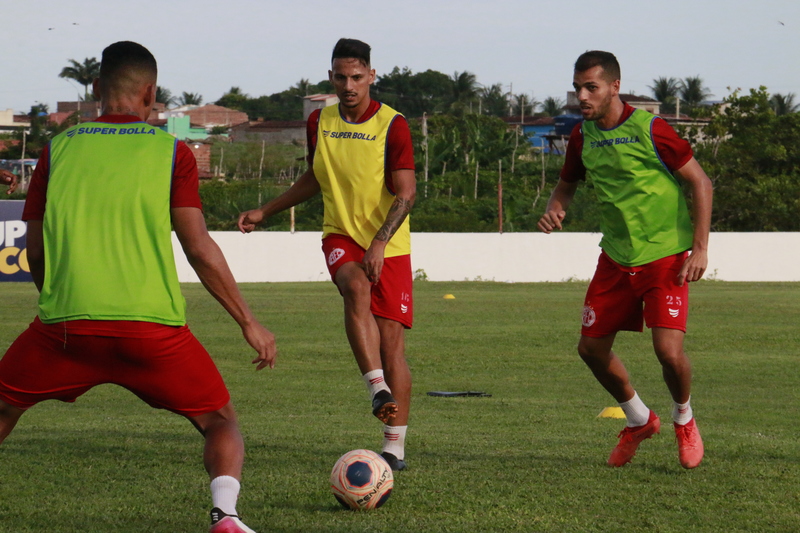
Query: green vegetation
[529, 458]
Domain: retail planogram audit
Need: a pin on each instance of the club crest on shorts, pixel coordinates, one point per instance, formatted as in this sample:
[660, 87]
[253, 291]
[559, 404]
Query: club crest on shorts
[335, 255]
[589, 316]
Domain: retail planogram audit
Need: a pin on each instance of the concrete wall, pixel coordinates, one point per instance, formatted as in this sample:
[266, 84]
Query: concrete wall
[510, 257]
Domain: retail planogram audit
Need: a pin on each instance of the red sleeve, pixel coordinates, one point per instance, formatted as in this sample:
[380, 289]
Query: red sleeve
[185, 190]
[37, 189]
[673, 151]
[399, 149]
[312, 125]
[573, 169]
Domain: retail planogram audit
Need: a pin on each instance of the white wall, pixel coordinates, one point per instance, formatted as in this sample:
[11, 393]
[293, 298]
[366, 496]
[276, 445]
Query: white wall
[509, 257]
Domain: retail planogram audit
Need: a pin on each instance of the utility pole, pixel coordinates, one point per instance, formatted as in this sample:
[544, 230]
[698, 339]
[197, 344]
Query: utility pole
[500, 195]
[425, 148]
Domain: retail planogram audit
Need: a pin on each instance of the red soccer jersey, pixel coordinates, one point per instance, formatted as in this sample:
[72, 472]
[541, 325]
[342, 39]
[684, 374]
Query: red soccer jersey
[673, 151]
[184, 192]
[399, 149]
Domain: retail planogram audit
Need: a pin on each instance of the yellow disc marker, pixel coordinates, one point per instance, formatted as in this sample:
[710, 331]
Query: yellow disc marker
[611, 412]
[449, 297]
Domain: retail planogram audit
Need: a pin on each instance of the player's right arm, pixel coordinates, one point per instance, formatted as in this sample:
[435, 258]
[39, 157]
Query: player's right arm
[556, 209]
[572, 173]
[10, 179]
[303, 189]
[206, 259]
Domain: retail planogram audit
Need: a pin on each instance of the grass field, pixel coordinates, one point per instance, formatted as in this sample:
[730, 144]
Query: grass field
[529, 458]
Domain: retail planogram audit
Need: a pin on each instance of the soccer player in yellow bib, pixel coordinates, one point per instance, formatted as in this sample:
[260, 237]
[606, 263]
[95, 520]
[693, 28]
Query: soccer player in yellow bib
[361, 160]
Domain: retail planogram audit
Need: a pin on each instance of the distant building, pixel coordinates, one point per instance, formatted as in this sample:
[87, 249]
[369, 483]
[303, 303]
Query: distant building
[317, 101]
[10, 122]
[271, 131]
[639, 102]
[207, 116]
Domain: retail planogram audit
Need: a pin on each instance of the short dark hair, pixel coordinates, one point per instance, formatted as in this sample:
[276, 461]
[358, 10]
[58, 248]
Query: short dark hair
[125, 56]
[352, 48]
[598, 58]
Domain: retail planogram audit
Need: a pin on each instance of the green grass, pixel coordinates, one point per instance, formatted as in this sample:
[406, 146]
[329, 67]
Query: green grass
[530, 458]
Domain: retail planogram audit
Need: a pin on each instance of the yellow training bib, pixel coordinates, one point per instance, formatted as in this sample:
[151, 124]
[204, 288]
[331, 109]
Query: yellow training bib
[350, 166]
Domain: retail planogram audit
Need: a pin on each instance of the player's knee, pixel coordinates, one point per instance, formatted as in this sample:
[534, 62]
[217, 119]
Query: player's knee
[355, 287]
[671, 357]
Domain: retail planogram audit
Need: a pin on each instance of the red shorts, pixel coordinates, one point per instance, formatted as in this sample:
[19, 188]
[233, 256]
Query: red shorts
[616, 294]
[170, 370]
[392, 295]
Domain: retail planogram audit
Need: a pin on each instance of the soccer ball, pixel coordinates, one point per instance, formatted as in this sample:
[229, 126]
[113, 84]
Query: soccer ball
[361, 479]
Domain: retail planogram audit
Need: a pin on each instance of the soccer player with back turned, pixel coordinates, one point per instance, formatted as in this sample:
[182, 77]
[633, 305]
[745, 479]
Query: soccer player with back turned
[361, 159]
[100, 210]
[637, 164]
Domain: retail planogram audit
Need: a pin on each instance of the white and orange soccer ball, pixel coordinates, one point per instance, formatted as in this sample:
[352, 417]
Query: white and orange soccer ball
[362, 479]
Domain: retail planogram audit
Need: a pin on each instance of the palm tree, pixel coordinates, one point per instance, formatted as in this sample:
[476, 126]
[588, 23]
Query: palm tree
[84, 73]
[164, 96]
[494, 101]
[692, 91]
[665, 90]
[525, 105]
[190, 99]
[302, 87]
[465, 87]
[784, 104]
[552, 107]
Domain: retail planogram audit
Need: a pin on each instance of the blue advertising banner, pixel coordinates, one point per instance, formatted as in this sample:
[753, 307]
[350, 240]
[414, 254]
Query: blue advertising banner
[13, 242]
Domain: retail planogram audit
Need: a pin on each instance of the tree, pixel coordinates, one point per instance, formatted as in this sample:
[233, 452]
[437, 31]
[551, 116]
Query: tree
[303, 86]
[665, 90]
[190, 99]
[465, 90]
[164, 96]
[752, 156]
[84, 73]
[552, 107]
[494, 101]
[693, 92]
[414, 94]
[233, 99]
[783, 104]
[524, 104]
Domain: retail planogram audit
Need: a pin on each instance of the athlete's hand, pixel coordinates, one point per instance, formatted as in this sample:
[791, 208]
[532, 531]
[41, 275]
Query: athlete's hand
[551, 220]
[694, 267]
[7, 178]
[248, 220]
[263, 341]
[373, 261]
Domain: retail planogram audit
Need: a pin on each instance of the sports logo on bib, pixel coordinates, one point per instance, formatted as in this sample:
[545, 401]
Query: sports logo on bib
[589, 317]
[335, 255]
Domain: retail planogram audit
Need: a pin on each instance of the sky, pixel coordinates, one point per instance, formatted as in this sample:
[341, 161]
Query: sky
[266, 46]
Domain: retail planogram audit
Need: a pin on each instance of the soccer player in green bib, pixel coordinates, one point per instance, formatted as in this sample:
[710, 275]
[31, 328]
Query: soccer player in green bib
[637, 164]
[101, 208]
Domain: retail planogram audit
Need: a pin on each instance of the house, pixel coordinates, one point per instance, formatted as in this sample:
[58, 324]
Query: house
[639, 102]
[207, 116]
[86, 110]
[10, 122]
[317, 101]
[539, 131]
[271, 131]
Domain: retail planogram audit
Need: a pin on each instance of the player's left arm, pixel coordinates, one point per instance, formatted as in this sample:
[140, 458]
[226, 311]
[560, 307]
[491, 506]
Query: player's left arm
[405, 186]
[34, 236]
[702, 198]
